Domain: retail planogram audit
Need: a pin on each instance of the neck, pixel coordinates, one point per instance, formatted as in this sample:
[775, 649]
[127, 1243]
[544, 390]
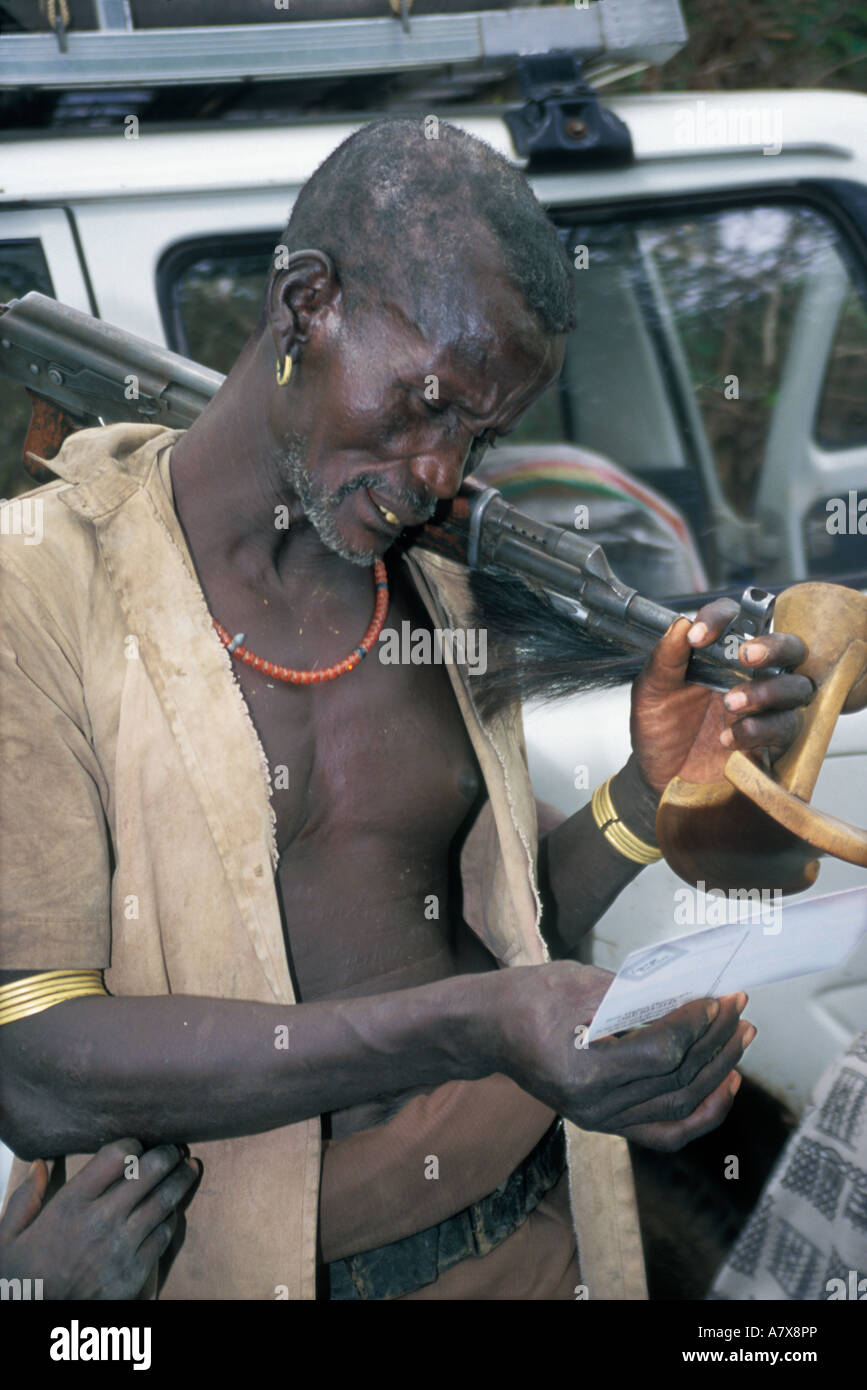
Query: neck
[227, 489]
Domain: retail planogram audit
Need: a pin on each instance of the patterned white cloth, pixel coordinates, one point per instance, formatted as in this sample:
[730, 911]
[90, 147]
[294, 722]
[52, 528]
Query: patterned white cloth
[809, 1228]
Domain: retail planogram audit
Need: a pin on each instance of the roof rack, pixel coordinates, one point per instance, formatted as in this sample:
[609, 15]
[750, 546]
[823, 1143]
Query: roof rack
[605, 31]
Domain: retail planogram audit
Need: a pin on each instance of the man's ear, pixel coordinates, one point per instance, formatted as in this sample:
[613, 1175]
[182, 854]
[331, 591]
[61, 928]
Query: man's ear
[303, 285]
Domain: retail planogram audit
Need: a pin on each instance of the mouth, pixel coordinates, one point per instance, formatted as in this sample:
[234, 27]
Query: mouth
[382, 518]
[392, 521]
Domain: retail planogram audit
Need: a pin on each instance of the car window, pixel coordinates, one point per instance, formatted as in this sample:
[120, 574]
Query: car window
[842, 419]
[732, 284]
[211, 294]
[22, 268]
[702, 340]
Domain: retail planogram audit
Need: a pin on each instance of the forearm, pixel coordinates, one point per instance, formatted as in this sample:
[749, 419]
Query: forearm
[581, 873]
[183, 1069]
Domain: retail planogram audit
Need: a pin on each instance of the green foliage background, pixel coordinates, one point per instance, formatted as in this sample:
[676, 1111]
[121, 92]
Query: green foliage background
[736, 44]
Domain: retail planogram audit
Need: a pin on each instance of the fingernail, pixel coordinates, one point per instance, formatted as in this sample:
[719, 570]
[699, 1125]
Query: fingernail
[749, 1035]
[736, 1084]
[697, 632]
[736, 699]
[753, 651]
[741, 1002]
[196, 1165]
[726, 738]
[712, 1010]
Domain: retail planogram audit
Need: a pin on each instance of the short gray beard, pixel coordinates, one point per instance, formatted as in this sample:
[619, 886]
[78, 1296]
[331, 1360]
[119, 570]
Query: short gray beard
[319, 506]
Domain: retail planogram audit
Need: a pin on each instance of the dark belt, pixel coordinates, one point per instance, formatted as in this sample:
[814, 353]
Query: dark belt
[409, 1264]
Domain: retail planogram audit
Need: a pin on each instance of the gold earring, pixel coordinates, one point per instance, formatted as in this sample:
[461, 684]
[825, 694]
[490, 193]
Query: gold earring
[283, 377]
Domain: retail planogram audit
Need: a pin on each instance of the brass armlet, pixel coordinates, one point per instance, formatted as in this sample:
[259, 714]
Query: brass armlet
[38, 992]
[619, 836]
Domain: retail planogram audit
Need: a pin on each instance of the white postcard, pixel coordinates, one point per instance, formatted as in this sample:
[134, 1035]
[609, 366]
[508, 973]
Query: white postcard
[818, 934]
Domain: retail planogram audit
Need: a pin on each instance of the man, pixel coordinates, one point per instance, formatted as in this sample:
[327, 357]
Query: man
[332, 952]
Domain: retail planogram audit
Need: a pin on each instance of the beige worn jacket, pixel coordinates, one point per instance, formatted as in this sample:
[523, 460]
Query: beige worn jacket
[138, 836]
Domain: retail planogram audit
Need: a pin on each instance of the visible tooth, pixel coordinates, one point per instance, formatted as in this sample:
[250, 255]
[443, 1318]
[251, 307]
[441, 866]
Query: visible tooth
[389, 516]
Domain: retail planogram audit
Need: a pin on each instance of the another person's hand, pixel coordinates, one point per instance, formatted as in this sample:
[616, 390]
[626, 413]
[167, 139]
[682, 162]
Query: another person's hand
[661, 1085]
[673, 722]
[102, 1233]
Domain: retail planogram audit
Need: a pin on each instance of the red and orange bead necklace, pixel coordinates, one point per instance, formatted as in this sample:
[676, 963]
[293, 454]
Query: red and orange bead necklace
[235, 647]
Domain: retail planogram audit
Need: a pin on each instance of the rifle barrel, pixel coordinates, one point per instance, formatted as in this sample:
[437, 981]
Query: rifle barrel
[576, 572]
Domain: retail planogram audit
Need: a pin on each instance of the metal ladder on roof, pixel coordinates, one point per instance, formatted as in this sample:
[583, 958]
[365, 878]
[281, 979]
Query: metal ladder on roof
[598, 32]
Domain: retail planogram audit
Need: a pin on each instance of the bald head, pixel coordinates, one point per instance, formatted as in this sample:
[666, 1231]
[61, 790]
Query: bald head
[401, 214]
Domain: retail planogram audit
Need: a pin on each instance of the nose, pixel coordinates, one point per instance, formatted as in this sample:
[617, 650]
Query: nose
[441, 471]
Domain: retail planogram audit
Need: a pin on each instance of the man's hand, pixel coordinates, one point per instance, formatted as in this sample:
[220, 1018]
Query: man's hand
[661, 1086]
[101, 1235]
[673, 722]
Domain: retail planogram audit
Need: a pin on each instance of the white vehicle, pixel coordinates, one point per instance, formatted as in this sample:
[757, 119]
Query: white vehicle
[719, 363]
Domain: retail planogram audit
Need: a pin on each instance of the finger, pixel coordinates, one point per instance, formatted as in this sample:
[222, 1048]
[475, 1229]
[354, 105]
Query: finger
[668, 1138]
[141, 1178]
[680, 1102]
[153, 1167]
[667, 664]
[25, 1203]
[103, 1170]
[657, 1050]
[665, 668]
[773, 649]
[720, 1033]
[711, 621]
[163, 1201]
[776, 731]
[152, 1249]
[641, 1088]
[779, 692]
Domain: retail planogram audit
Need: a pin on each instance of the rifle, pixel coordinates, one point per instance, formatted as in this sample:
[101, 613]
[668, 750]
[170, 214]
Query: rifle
[94, 373]
[98, 374]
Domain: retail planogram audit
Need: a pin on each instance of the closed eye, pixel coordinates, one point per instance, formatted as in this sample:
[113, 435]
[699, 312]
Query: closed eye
[433, 405]
[478, 449]
[484, 441]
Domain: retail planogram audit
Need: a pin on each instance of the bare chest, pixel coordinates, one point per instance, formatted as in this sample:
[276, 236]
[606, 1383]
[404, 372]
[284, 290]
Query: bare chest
[373, 777]
[383, 748]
